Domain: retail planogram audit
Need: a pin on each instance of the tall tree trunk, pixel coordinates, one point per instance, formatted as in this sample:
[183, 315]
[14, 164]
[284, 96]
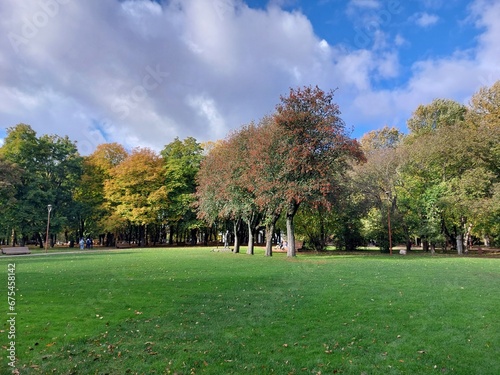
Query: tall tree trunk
[270, 229]
[269, 239]
[460, 243]
[236, 225]
[468, 238]
[250, 248]
[290, 230]
[13, 238]
[253, 222]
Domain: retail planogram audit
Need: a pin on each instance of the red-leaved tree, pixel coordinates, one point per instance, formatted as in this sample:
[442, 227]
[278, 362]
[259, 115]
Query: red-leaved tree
[314, 149]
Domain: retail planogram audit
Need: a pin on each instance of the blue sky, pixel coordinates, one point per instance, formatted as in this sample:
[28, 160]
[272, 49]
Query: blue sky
[143, 72]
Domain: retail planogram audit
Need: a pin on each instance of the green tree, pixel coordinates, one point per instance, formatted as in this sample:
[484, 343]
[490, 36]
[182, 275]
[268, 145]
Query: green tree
[51, 169]
[452, 167]
[10, 181]
[181, 164]
[441, 113]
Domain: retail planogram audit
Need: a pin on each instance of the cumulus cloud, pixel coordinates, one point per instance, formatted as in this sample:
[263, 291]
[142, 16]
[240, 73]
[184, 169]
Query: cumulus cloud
[140, 73]
[366, 4]
[425, 19]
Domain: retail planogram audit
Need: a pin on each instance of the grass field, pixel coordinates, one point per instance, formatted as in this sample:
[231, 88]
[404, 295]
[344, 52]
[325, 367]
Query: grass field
[193, 311]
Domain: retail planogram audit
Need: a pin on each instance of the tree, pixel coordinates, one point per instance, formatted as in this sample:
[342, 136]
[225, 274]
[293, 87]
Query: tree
[51, 169]
[385, 138]
[484, 116]
[94, 212]
[10, 181]
[484, 107]
[181, 164]
[378, 182]
[224, 186]
[454, 165]
[441, 113]
[134, 186]
[263, 177]
[241, 190]
[315, 151]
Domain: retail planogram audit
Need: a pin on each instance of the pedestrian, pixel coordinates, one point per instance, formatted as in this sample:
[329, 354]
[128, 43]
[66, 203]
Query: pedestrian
[82, 243]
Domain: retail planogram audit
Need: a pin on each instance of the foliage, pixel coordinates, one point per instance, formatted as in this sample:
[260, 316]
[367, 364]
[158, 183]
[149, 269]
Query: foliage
[385, 138]
[181, 163]
[439, 184]
[135, 186]
[315, 151]
[94, 209]
[51, 167]
[441, 113]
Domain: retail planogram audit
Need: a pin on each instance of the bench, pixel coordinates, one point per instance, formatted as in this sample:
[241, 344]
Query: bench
[16, 250]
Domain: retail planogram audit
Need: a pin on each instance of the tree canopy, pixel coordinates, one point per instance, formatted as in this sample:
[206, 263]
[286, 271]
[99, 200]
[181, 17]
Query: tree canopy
[296, 171]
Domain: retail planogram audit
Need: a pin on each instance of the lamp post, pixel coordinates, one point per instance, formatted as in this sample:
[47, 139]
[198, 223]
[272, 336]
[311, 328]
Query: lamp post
[49, 208]
[388, 193]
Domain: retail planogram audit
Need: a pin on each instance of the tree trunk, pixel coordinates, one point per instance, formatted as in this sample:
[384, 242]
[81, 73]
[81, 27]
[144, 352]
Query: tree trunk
[40, 240]
[425, 245]
[468, 238]
[194, 236]
[13, 238]
[237, 245]
[408, 245]
[250, 248]
[81, 229]
[460, 244]
[290, 230]
[269, 236]
[253, 222]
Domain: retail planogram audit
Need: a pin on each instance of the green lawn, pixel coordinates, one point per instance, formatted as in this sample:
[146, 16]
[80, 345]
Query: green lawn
[191, 311]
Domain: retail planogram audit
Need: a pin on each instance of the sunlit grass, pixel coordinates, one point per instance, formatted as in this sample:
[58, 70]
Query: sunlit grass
[184, 311]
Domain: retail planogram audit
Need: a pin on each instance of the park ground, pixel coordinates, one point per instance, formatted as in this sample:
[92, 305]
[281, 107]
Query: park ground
[196, 310]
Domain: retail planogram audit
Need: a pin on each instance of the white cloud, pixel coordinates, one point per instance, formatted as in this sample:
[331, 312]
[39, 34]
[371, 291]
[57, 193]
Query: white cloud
[399, 40]
[425, 19]
[146, 73]
[365, 4]
[207, 108]
[141, 74]
[454, 77]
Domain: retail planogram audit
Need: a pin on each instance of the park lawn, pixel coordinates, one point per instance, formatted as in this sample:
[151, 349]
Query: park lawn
[193, 311]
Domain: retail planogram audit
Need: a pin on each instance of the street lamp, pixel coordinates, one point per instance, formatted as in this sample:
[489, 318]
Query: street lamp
[49, 208]
[388, 193]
